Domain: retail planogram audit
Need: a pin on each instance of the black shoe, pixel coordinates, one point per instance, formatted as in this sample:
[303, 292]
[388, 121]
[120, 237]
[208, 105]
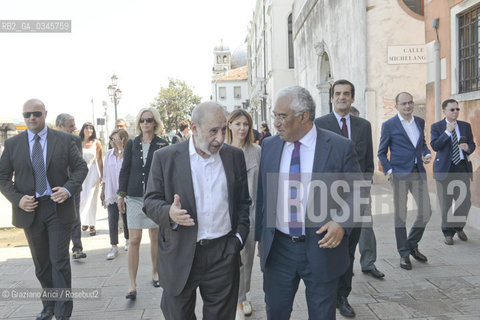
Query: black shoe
[79, 254]
[46, 314]
[156, 283]
[374, 273]
[132, 295]
[418, 255]
[345, 308]
[405, 263]
[448, 240]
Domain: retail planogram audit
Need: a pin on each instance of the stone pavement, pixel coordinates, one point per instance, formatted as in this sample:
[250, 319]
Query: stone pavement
[447, 287]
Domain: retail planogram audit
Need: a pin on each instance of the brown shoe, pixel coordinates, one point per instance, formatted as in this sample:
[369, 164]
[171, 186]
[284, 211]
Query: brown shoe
[448, 240]
[462, 236]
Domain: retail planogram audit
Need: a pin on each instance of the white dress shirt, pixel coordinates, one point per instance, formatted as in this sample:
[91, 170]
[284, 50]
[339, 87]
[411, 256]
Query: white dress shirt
[307, 154]
[211, 195]
[411, 129]
[340, 123]
[111, 171]
[457, 131]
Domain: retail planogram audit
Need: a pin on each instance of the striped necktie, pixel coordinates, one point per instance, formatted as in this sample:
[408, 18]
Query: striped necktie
[39, 167]
[455, 150]
[294, 225]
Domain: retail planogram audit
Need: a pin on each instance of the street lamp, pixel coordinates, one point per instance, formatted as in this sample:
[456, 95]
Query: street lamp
[115, 93]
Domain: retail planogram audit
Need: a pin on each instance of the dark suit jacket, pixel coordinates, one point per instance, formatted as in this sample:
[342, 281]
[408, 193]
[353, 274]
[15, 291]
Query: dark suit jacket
[171, 174]
[334, 154]
[361, 136]
[65, 168]
[134, 174]
[402, 152]
[441, 144]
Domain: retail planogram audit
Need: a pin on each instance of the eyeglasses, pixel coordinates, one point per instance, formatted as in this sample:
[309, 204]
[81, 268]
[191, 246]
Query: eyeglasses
[282, 116]
[36, 114]
[454, 109]
[148, 120]
[113, 138]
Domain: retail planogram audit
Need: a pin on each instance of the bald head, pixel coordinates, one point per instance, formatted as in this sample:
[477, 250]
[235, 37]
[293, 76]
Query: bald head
[209, 107]
[209, 124]
[34, 114]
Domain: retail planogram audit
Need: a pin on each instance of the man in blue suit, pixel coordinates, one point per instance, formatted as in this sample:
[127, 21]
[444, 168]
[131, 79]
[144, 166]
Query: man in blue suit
[404, 136]
[297, 243]
[453, 142]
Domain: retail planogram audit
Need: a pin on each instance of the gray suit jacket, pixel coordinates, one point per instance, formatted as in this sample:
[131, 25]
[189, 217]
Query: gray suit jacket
[361, 136]
[170, 174]
[65, 168]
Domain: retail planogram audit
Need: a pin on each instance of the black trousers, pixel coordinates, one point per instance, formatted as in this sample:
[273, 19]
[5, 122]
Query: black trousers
[76, 231]
[345, 281]
[287, 263]
[458, 181]
[113, 214]
[416, 184]
[216, 271]
[48, 240]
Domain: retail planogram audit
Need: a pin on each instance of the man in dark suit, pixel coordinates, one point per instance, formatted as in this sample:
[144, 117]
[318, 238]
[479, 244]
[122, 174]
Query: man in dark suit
[297, 243]
[452, 140]
[404, 136]
[66, 123]
[197, 193]
[47, 169]
[181, 135]
[360, 132]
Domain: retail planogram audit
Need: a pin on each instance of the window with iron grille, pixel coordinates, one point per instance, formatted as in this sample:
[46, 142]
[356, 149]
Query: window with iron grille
[468, 51]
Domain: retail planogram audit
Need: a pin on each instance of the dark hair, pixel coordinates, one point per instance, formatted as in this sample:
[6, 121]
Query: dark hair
[340, 82]
[94, 134]
[265, 125]
[398, 96]
[444, 103]
[183, 125]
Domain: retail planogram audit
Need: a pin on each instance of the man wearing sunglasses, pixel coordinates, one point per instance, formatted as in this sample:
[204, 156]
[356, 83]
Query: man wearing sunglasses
[47, 169]
[452, 139]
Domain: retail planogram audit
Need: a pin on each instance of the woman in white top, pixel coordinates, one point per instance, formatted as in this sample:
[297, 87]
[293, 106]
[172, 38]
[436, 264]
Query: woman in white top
[111, 170]
[92, 154]
[240, 134]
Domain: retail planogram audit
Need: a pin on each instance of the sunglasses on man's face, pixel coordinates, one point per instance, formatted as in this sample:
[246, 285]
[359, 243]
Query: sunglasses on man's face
[454, 109]
[149, 120]
[36, 114]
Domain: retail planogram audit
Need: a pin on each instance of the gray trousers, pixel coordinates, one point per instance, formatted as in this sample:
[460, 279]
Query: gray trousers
[247, 255]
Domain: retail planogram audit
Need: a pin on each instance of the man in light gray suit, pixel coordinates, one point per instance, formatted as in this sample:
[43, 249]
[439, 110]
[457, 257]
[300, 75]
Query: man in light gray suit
[198, 195]
[360, 132]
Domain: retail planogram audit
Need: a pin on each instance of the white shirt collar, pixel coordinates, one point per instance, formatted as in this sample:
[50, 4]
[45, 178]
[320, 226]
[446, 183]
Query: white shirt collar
[309, 139]
[42, 134]
[404, 120]
[193, 152]
[339, 117]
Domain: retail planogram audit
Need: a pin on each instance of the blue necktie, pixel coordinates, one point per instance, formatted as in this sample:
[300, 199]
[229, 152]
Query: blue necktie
[39, 167]
[294, 225]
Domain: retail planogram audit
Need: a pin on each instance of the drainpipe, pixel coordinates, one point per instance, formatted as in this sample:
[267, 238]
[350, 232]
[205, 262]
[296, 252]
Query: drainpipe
[438, 72]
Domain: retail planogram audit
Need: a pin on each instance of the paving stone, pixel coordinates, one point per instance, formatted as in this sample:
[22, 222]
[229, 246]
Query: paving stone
[463, 293]
[389, 310]
[428, 294]
[449, 283]
[397, 296]
[473, 280]
[402, 285]
[468, 307]
[426, 308]
[110, 315]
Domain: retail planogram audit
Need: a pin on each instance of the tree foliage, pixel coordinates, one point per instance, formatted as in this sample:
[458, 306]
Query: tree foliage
[175, 103]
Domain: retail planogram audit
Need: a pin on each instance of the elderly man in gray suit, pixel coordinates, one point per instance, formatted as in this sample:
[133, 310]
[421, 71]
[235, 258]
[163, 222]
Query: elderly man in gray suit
[198, 194]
